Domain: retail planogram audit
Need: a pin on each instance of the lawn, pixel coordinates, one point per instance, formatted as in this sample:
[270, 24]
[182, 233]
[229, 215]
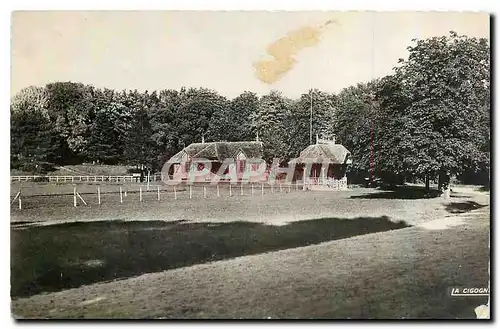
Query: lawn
[69, 247]
[56, 257]
[402, 273]
[274, 207]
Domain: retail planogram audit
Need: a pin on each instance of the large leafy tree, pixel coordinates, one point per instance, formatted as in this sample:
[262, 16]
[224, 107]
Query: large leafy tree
[234, 122]
[163, 132]
[270, 121]
[68, 106]
[30, 99]
[314, 107]
[445, 122]
[106, 142]
[193, 115]
[138, 143]
[354, 125]
[31, 138]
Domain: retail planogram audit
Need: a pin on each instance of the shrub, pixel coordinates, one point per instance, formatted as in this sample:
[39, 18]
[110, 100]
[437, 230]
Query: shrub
[37, 167]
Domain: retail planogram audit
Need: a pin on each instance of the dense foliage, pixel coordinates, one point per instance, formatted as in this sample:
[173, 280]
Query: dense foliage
[429, 119]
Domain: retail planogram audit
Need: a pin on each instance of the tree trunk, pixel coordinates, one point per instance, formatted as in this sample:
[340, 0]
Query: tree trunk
[444, 182]
[427, 183]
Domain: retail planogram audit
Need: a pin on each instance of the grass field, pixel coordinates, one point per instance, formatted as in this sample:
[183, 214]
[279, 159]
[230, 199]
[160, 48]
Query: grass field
[274, 208]
[315, 254]
[404, 273]
[72, 254]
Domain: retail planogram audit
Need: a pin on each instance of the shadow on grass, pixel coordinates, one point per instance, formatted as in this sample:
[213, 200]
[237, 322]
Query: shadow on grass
[23, 223]
[461, 207]
[400, 192]
[57, 257]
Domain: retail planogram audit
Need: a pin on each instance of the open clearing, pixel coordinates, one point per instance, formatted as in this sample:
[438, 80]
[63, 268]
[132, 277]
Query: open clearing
[311, 256]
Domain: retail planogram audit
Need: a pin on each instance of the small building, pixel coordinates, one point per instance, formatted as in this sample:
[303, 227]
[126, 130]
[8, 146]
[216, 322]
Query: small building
[323, 164]
[217, 153]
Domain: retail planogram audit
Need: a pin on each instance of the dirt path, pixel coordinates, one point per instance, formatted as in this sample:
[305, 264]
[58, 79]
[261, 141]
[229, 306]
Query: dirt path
[404, 273]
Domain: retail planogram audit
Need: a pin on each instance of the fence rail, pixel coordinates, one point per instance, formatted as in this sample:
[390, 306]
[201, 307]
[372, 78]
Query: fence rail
[140, 191]
[88, 178]
[337, 183]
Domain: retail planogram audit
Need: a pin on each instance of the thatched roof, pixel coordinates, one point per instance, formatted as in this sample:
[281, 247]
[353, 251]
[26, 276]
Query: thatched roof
[219, 151]
[318, 153]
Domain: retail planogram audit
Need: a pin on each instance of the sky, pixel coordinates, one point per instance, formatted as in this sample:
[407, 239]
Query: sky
[229, 52]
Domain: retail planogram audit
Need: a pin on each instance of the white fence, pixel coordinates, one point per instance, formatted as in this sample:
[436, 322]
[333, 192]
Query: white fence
[95, 178]
[336, 184]
[139, 192]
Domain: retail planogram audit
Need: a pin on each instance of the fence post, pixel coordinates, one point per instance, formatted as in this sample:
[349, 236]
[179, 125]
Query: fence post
[230, 190]
[289, 188]
[121, 196]
[272, 189]
[241, 188]
[252, 189]
[17, 195]
[98, 194]
[190, 191]
[175, 194]
[95, 178]
[218, 192]
[262, 188]
[158, 193]
[19, 201]
[304, 180]
[57, 179]
[74, 196]
[204, 191]
[140, 193]
[78, 195]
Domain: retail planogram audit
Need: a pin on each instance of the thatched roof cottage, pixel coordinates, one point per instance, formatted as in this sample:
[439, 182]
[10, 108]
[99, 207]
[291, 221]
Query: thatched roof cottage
[323, 163]
[216, 153]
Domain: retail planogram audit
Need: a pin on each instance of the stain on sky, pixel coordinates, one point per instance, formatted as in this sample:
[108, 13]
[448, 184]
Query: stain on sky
[283, 51]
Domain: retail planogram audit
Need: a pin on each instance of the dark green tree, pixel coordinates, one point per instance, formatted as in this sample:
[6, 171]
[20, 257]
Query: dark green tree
[446, 81]
[354, 126]
[31, 139]
[271, 121]
[234, 122]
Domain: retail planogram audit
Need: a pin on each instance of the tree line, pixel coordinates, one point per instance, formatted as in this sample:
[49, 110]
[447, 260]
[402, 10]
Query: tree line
[429, 119]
